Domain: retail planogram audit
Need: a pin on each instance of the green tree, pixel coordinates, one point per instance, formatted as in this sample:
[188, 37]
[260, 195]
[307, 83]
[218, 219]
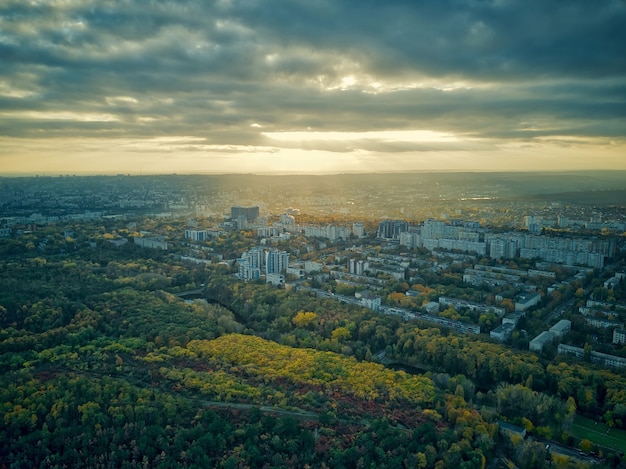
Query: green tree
[340, 334]
[304, 319]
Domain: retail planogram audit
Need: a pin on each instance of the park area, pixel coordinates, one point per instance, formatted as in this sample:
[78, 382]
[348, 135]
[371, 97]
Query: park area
[599, 434]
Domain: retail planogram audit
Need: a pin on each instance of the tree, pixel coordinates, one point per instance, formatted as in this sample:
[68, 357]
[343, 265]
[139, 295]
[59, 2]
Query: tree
[528, 425]
[421, 460]
[340, 334]
[585, 445]
[304, 319]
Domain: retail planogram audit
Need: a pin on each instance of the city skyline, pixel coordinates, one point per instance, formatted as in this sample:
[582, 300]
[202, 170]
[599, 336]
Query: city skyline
[311, 87]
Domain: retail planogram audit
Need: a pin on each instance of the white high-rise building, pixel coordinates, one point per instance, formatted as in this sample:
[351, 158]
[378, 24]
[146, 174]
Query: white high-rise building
[497, 248]
[196, 235]
[287, 219]
[357, 267]
[276, 262]
[433, 229]
[251, 263]
[257, 257]
[358, 230]
[511, 249]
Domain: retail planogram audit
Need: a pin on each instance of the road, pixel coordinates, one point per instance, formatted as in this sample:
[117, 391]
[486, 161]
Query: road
[559, 310]
[572, 453]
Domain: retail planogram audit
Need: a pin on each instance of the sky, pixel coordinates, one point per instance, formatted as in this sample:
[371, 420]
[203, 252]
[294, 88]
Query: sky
[311, 86]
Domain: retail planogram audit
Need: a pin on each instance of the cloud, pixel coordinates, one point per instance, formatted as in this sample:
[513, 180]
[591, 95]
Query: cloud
[233, 72]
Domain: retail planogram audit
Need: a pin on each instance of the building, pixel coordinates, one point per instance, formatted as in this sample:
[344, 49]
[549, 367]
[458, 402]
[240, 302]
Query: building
[246, 272]
[595, 312]
[481, 277]
[196, 235]
[410, 239]
[391, 229]
[433, 229]
[270, 231]
[526, 301]
[251, 263]
[286, 219]
[619, 336]
[358, 230]
[156, 242]
[502, 332]
[395, 272]
[455, 244]
[512, 318]
[568, 250]
[614, 281]
[371, 301]
[606, 304]
[312, 266]
[537, 344]
[296, 270]
[275, 279]
[256, 255]
[533, 273]
[463, 304]
[561, 328]
[357, 267]
[276, 262]
[432, 307]
[598, 358]
[331, 232]
[249, 214]
[497, 248]
[510, 429]
[603, 323]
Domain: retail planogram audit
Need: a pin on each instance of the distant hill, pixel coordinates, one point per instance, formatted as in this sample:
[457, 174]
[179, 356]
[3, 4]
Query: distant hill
[607, 198]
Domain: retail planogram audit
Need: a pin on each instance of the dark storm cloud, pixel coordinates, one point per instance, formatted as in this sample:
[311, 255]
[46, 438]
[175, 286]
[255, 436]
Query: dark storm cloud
[213, 69]
[486, 39]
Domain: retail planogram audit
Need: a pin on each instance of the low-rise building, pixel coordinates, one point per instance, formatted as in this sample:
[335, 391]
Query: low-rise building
[561, 328]
[537, 344]
[510, 429]
[619, 336]
[275, 279]
[196, 235]
[370, 301]
[480, 277]
[585, 311]
[459, 304]
[296, 270]
[614, 281]
[432, 307]
[603, 323]
[541, 273]
[502, 332]
[598, 358]
[156, 242]
[526, 301]
[310, 266]
[512, 318]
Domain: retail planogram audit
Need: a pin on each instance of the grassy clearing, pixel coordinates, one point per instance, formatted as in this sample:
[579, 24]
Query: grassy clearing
[598, 433]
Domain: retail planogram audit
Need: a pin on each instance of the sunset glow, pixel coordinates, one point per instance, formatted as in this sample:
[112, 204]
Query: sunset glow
[186, 87]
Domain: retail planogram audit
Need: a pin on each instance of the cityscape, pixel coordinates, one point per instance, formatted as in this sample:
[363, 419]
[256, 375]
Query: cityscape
[312, 234]
[520, 269]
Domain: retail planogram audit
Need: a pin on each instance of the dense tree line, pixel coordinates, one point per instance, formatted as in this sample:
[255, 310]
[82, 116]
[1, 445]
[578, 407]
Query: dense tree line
[102, 365]
[597, 392]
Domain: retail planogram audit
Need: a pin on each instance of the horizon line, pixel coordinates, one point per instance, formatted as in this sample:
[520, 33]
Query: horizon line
[18, 174]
